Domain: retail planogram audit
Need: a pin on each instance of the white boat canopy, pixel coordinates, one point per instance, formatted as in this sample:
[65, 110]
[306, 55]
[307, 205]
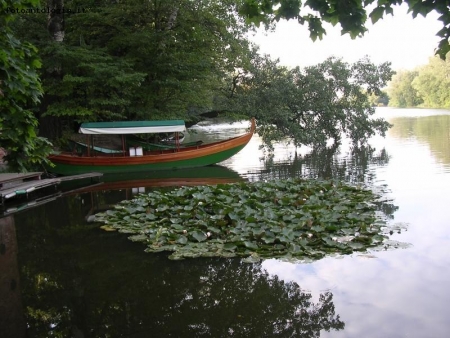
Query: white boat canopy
[132, 127]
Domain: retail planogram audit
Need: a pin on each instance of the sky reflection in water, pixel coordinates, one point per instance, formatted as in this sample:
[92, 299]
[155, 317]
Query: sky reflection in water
[400, 293]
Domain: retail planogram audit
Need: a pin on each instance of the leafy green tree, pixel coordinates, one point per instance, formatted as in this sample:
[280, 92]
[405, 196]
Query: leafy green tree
[401, 91]
[93, 85]
[20, 91]
[314, 104]
[433, 83]
[352, 16]
[136, 59]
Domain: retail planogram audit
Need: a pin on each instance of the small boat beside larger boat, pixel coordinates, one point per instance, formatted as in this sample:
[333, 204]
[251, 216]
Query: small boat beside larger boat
[134, 159]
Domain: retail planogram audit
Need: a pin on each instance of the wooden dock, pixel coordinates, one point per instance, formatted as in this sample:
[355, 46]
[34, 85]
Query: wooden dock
[11, 179]
[14, 184]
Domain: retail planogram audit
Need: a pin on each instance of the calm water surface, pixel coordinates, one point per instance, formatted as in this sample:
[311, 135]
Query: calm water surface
[68, 278]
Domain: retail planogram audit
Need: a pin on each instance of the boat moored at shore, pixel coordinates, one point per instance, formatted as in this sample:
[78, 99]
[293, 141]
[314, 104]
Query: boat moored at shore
[137, 159]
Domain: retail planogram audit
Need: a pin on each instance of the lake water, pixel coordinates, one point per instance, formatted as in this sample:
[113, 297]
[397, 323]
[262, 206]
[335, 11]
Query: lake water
[65, 277]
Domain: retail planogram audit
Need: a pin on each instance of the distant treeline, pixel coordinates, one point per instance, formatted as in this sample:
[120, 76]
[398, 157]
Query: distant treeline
[427, 86]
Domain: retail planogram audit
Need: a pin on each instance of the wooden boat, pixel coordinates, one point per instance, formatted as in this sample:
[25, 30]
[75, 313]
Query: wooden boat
[137, 159]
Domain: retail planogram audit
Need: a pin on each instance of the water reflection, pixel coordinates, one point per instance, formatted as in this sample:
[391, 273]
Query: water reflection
[431, 130]
[129, 184]
[354, 165]
[80, 281]
[12, 320]
[76, 280]
[402, 293]
[137, 182]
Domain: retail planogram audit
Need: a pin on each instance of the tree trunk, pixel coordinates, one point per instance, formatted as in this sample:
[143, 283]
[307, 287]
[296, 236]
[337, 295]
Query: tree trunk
[50, 127]
[172, 19]
[55, 21]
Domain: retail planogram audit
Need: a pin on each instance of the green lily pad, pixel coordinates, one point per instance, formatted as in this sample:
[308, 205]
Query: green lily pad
[199, 236]
[182, 240]
[251, 245]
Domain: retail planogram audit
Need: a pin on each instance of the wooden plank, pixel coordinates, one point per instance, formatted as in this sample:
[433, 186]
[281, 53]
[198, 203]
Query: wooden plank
[9, 178]
[27, 187]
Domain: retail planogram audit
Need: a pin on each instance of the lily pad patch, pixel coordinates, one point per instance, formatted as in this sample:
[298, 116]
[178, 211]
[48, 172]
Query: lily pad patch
[291, 219]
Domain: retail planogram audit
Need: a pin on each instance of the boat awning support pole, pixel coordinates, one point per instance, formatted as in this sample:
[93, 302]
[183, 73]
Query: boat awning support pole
[89, 145]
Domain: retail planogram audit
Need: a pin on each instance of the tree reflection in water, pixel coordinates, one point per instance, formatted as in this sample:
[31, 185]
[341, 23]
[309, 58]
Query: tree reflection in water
[354, 166]
[80, 281]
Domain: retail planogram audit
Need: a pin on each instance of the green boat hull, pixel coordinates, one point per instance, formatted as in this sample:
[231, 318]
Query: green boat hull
[73, 169]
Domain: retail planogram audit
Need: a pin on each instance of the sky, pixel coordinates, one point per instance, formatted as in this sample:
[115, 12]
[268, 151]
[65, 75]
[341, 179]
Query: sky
[399, 39]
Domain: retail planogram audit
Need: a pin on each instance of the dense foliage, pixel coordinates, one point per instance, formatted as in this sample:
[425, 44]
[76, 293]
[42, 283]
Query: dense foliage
[291, 219]
[137, 59]
[352, 16]
[426, 86]
[20, 91]
[402, 94]
[313, 104]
